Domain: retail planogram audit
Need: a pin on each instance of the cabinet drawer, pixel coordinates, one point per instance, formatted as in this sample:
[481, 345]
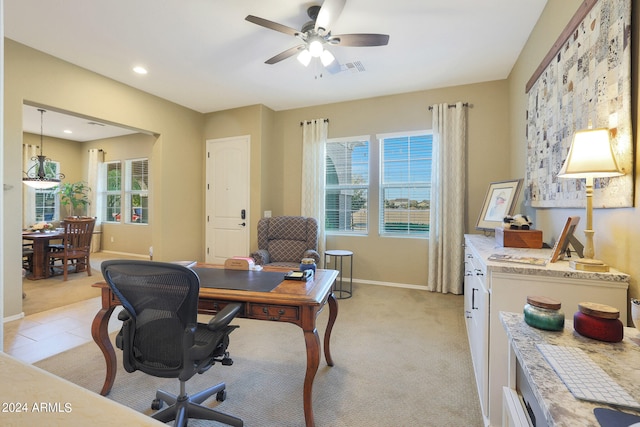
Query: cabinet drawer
[273, 312]
[473, 265]
[213, 307]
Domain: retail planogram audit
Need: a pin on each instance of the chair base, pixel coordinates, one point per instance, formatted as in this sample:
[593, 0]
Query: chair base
[183, 407]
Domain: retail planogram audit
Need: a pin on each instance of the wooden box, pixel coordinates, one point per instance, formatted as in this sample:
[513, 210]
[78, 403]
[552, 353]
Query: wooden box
[239, 263]
[531, 239]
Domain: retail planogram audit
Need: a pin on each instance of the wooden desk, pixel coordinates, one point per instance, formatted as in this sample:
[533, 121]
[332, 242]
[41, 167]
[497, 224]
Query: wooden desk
[291, 301]
[40, 248]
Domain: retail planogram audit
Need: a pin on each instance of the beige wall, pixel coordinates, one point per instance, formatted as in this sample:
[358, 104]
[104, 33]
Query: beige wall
[377, 259]
[177, 154]
[246, 121]
[73, 157]
[496, 151]
[120, 237]
[617, 238]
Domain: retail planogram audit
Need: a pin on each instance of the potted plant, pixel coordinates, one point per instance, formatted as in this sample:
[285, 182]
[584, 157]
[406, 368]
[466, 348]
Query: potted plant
[75, 195]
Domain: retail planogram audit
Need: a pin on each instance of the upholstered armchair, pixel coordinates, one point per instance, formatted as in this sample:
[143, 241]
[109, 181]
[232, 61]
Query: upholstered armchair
[284, 240]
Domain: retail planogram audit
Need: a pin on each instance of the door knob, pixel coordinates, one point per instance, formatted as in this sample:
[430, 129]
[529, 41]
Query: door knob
[243, 224]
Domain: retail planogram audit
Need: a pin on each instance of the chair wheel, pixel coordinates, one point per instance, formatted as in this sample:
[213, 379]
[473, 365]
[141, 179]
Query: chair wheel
[221, 395]
[156, 404]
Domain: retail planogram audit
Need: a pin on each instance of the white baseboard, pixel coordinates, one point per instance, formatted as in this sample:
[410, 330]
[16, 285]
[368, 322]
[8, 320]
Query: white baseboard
[14, 317]
[390, 284]
[126, 254]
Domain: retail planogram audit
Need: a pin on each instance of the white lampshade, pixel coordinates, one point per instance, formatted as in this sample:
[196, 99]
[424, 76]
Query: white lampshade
[304, 57]
[326, 58]
[590, 155]
[315, 48]
[41, 183]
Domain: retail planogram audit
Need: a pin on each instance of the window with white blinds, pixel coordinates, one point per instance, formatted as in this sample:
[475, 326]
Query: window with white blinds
[47, 202]
[126, 194]
[137, 191]
[405, 183]
[113, 192]
[347, 185]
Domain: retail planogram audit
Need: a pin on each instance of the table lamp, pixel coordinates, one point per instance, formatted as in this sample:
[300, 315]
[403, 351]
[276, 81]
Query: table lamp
[590, 156]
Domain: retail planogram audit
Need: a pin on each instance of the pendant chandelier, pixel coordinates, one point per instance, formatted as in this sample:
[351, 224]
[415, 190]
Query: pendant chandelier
[42, 174]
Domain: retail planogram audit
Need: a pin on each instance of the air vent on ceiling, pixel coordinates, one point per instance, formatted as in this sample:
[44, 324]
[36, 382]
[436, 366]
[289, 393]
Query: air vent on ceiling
[355, 67]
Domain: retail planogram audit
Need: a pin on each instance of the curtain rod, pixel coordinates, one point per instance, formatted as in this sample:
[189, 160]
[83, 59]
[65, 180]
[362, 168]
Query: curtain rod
[310, 121]
[99, 149]
[464, 104]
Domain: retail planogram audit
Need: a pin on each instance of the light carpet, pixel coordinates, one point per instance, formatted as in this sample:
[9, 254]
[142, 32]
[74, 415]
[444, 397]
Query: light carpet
[401, 359]
[46, 294]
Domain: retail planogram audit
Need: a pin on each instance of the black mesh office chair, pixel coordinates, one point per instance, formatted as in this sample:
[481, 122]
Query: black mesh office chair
[161, 336]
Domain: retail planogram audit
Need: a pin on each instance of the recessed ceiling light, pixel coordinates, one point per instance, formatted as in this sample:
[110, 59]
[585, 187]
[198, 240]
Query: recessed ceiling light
[140, 70]
[67, 131]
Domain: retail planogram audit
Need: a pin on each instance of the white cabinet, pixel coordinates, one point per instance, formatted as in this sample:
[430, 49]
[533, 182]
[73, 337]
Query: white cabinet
[476, 312]
[505, 287]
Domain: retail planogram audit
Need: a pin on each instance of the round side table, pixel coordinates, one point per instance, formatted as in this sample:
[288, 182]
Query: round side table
[341, 292]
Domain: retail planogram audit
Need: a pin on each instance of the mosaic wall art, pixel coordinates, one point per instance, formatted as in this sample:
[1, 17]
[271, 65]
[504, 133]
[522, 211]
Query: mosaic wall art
[588, 81]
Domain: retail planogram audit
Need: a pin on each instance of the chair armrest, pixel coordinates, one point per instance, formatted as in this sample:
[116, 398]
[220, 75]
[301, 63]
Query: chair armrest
[261, 256]
[310, 253]
[124, 315]
[224, 316]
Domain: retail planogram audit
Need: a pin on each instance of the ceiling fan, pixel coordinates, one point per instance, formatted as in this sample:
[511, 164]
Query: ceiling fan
[316, 36]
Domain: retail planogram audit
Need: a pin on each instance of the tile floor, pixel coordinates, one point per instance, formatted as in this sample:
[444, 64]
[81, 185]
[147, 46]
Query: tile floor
[45, 334]
[41, 335]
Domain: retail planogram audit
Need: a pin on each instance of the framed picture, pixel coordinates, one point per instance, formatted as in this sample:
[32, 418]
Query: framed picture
[499, 202]
[560, 248]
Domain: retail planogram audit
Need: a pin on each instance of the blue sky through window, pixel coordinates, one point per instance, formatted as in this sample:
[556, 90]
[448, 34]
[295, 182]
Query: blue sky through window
[407, 161]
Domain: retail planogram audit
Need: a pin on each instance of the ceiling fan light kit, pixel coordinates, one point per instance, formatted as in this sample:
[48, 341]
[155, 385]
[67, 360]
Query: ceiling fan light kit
[316, 35]
[326, 58]
[304, 57]
[315, 47]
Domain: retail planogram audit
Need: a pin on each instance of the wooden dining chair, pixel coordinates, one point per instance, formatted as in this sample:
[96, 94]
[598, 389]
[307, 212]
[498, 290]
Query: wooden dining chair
[76, 246]
[27, 256]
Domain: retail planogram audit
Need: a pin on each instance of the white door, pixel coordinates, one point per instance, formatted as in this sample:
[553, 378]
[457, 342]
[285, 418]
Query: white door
[227, 200]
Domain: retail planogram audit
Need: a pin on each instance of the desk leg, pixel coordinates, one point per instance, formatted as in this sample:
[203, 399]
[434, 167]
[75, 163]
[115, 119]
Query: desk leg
[100, 334]
[312, 342]
[333, 314]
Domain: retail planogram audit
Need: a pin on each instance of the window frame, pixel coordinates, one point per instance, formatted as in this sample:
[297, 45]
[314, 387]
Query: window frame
[129, 192]
[116, 193]
[52, 192]
[382, 186]
[349, 187]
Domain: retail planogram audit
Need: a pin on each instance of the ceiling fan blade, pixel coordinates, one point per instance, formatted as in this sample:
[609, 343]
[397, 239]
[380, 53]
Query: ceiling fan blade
[272, 25]
[359, 40]
[284, 55]
[329, 13]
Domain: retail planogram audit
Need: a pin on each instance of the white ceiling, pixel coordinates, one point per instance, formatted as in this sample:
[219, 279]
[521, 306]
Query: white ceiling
[67, 126]
[202, 54]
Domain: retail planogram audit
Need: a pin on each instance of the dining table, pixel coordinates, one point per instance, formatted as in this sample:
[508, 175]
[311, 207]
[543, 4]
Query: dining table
[41, 242]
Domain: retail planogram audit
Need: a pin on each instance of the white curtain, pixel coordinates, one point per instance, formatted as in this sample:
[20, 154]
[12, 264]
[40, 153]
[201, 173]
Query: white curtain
[314, 138]
[96, 157]
[446, 229]
[95, 160]
[28, 193]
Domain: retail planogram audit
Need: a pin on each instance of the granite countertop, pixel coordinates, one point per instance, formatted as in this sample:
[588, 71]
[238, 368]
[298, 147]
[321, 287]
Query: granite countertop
[620, 360]
[32, 396]
[486, 246]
